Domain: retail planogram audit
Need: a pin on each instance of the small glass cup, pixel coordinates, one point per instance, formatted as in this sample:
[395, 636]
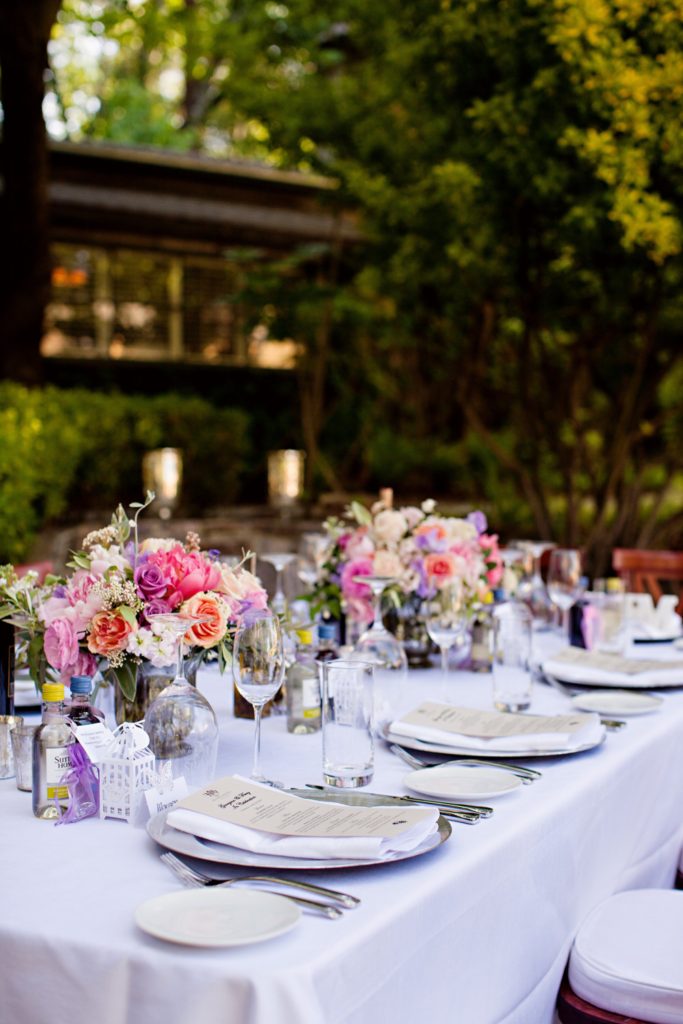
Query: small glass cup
[511, 640]
[347, 723]
[22, 748]
[8, 724]
[605, 622]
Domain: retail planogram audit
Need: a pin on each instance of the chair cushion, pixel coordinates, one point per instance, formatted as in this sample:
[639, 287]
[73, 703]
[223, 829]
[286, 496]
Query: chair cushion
[628, 956]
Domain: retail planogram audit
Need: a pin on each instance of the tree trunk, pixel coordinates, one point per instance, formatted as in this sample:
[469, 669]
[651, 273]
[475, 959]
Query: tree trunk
[25, 281]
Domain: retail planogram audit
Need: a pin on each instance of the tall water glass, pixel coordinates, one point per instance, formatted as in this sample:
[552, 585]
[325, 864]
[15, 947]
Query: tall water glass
[511, 663]
[347, 723]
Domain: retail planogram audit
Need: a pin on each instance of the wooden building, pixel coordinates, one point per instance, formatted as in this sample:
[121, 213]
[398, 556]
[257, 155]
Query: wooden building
[149, 254]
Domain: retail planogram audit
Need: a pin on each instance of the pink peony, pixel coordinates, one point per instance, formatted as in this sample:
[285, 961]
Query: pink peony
[61, 644]
[350, 589]
[84, 665]
[359, 545]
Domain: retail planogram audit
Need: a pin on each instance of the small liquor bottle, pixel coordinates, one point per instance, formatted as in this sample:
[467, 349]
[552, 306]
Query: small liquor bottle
[327, 642]
[6, 668]
[303, 688]
[51, 754]
[81, 711]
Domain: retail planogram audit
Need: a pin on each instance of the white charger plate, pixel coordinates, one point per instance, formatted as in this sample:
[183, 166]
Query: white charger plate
[218, 853]
[432, 747]
[617, 702]
[217, 917]
[458, 782]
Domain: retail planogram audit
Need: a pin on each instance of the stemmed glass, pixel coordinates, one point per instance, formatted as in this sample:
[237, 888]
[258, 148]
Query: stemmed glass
[257, 666]
[445, 620]
[279, 561]
[564, 581]
[180, 722]
[377, 644]
[532, 590]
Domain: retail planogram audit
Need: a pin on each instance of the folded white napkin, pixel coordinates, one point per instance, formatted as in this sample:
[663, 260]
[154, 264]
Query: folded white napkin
[568, 672]
[591, 732]
[309, 847]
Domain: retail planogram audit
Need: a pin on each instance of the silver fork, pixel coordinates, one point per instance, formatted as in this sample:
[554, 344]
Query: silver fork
[527, 775]
[195, 878]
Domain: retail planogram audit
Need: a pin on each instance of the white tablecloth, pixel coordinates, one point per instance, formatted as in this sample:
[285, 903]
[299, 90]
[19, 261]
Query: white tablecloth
[476, 932]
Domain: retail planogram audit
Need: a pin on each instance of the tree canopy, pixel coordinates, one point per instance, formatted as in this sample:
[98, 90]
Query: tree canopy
[512, 326]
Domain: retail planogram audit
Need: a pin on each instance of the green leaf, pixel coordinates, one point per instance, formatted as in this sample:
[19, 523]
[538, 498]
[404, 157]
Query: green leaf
[360, 514]
[128, 614]
[126, 677]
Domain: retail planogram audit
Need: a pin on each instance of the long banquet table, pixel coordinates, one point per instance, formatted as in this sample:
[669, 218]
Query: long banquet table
[476, 932]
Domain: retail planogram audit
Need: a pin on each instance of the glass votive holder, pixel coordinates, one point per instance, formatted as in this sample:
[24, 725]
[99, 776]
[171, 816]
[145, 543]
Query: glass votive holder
[22, 748]
[8, 724]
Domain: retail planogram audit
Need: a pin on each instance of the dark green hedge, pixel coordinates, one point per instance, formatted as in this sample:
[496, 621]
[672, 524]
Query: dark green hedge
[69, 451]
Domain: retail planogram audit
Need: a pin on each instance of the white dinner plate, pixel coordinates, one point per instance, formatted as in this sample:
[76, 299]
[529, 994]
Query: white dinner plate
[429, 747]
[219, 853]
[217, 917]
[458, 782]
[617, 702]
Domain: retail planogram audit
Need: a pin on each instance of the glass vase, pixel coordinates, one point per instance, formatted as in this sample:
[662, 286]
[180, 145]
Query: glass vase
[150, 681]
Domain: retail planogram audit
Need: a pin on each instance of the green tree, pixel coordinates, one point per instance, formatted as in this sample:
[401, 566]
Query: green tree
[516, 315]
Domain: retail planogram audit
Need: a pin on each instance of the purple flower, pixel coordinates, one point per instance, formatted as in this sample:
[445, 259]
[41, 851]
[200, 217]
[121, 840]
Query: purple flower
[214, 553]
[59, 591]
[150, 582]
[156, 607]
[478, 520]
[431, 540]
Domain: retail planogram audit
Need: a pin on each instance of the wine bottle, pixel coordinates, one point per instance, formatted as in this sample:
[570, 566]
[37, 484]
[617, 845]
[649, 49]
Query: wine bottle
[6, 668]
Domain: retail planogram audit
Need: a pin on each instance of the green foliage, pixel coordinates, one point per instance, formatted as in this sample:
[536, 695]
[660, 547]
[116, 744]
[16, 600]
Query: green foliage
[69, 451]
[514, 324]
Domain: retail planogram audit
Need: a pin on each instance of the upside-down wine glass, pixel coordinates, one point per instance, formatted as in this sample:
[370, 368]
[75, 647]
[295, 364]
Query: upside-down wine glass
[564, 582]
[279, 561]
[180, 722]
[446, 620]
[257, 666]
[377, 644]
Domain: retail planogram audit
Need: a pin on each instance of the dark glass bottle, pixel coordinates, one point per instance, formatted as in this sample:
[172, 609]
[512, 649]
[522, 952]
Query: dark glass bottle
[81, 712]
[327, 642]
[6, 668]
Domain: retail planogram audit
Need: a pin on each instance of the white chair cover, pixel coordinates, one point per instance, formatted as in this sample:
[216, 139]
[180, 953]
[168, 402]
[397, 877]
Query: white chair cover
[628, 956]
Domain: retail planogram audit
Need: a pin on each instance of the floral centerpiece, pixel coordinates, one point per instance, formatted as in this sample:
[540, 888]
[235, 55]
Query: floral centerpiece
[101, 615]
[422, 550]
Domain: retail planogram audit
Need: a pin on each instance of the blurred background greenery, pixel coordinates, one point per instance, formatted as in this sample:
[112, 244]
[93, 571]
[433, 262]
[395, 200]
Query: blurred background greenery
[509, 330]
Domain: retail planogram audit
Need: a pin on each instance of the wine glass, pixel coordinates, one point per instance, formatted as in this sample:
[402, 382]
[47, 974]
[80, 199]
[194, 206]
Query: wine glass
[531, 589]
[258, 665]
[377, 644]
[564, 581]
[180, 722]
[446, 620]
[279, 561]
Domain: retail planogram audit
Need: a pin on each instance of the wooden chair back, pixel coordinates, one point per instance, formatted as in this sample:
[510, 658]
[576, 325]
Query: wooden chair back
[644, 571]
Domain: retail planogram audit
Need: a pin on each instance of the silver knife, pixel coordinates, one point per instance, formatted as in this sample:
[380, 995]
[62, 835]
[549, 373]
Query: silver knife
[445, 806]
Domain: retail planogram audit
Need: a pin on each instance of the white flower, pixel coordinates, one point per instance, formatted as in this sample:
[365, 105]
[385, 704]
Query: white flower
[102, 559]
[389, 526]
[157, 544]
[459, 529]
[428, 506]
[387, 563]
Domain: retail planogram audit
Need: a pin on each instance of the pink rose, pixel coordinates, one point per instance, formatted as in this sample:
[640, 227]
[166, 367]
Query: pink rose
[61, 644]
[109, 632]
[84, 665]
[359, 545]
[210, 633]
[440, 568]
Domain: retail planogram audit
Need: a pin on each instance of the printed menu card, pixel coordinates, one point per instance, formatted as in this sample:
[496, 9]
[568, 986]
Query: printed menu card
[593, 668]
[240, 812]
[472, 727]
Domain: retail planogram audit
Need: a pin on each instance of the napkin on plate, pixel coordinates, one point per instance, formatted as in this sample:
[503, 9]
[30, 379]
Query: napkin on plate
[591, 668]
[587, 730]
[309, 846]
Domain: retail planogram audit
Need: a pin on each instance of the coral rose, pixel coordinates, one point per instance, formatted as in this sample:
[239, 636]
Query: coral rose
[211, 632]
[440, 568]
[109, 632]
